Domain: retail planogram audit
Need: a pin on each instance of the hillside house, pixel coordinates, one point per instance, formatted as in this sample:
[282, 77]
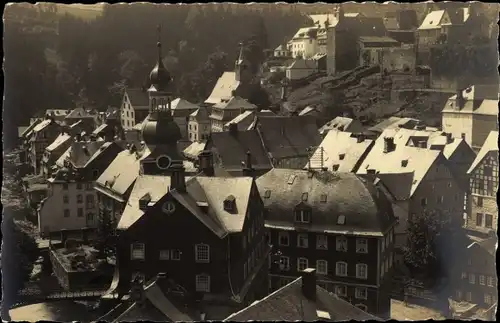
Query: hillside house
[41, 136]
[54, 151]
[226, 110]
[315, 219]
[483, 175]
[301, 68]
[472, 114]
[199, 125]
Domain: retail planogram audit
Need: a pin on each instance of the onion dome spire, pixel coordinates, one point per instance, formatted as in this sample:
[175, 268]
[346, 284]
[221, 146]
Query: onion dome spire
[160, 77]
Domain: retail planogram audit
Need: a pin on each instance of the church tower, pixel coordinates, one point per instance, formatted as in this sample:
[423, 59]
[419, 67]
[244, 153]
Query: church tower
[242, 68]
[160, 133]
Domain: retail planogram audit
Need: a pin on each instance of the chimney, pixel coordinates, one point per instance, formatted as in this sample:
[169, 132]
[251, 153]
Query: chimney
[137, 291]
[389, 144]
[460, 101]
[422, 144]
[309, 283]
[360, 138]
[233, 129]
[449, 138]
[178, 178]
[206, 163]
[248, 170]
[144, 201]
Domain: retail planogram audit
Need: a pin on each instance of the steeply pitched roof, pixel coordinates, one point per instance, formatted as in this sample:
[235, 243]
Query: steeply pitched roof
[308, 110]
[79, 113]
[224, 88]
[479, 99]
[340, 124]
[342, 149]
[82, 152]
[288, 136]
[61, 139]
[394, 122]
[201, 114]
[182, 108]
[193, 150]
[367, 211]
[246, 118]
[289, 304]
[121, 173]
[138, 97]
[491, 144]
[42, 125]
[320, 19]
[99, 129]
[29, 130]
[233, 147]
[235, 103]
[302, 64]
[417, 160]
[304, 32]
[433, 20]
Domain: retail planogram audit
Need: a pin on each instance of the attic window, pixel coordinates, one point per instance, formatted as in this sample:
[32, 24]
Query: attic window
[144, 201]
[267, 194]
[305, 195]
[404, 163]
[335, 167]
[302, 215]
[322, 198]
[230, 203]
[341, 219]
[341, 156]
[291, 179]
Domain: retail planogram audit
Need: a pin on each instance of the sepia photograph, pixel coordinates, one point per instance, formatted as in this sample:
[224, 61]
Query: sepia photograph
[191, 162]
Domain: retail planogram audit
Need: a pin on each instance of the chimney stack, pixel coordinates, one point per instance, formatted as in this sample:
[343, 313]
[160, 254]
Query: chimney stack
[449, 138]
[178, 179]
[206, 163]
[233, 129]
[389, 144]
[248, 170]
[309, 283]
[360, 137]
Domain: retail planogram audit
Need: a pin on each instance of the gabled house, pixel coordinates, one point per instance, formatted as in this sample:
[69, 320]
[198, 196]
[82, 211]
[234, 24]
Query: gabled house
[418, 178]
[181, 111]
[471, 114]
[302, 300]
[434, 28]
[71, 202]
[301, 68]
[44, 133]
[341, 152]
[54, 151]
[337, 222]
[226, 110]
[199, 126]
[134, 107]
[341, 124]
[483, 175]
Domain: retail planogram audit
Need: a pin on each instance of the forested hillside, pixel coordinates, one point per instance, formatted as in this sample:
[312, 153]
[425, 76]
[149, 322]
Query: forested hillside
[55, 60]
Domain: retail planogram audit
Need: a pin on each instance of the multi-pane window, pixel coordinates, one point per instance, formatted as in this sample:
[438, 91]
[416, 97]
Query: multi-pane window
[361, 293]
[203, 283]
[472, 278]
[137, 251]
[202, 253]
[302, 264]
[283, 239]
[79, 198]
[90, 201]
[321, 241]
[361, 271]
[65, 199]
[487, 299]
[88, 186]
[341, 290]
[164, 254]
[341, 244]
[489, 281]
[302, 216]
[480, 201]
[302, 240]
[488, 220]
[479, 219]
[341, 269]
[284, 263]
[322, 267]
[481, 280]
[175, 254]
[362, 246]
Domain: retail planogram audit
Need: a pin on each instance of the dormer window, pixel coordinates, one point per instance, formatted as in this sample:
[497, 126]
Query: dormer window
[202, 253]
[230, 204]
[404, 163]
[305, 195]
[144, 201]
[302, 215]
[341, 219]
[335, 167]
[341, 156]
[291, 179]
[267, 194]
[323, 198]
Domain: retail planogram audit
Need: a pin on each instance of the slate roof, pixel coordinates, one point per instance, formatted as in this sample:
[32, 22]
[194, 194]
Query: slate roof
[61, 139]
[82, 152]
[245, 119]
[158, 308]
[232, 149]
[367, 210]
[342, 149]
[121, 173]
[289, 304]
[79, 113]
[182, 108]
[338, 123]
[201, 114]
[210, 190]
[29, 130]
[490, 144]
[42, 125]
[224, 88]
[480, 100]
[394, 122]
[419, 160]
[235, 103]
[138, 98]
[303, 32]
[288, 136]
[432, 20]
[193, 150]
[100, 129]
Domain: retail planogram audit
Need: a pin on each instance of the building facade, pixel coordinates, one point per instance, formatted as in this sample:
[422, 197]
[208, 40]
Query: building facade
[43, 135]
[199, 125]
